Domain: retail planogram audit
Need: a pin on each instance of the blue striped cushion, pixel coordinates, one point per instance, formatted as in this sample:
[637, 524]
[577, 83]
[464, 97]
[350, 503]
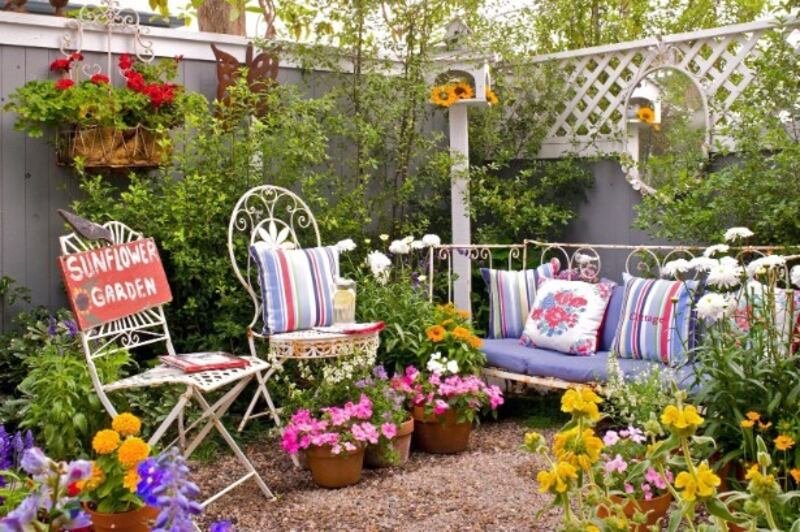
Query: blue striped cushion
[652, 326]
[511, 294]
[297, 286]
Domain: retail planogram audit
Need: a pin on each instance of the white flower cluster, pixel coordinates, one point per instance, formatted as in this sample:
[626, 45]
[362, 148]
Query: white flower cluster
[345, 245]
[713, 306]
[379, 264]
[441, 366]
[345, 368]
[737, 233]
[764, 264]
[404, 246]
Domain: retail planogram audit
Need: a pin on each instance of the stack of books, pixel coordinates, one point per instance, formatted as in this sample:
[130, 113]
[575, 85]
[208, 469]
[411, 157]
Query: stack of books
[195, 362]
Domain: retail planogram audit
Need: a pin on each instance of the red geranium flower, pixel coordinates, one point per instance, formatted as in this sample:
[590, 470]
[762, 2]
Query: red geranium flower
[160, 93]
[125, 62]
[135, 81]
[64, 83]
[73, 489]
[76, 56]
[100, 79]
[62, 65]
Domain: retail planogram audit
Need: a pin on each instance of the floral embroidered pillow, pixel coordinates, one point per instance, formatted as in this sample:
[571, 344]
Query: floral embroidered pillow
[566, 316]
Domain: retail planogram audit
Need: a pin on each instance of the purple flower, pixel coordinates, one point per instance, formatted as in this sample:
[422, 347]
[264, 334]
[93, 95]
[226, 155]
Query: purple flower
[77, 470]
[379, 372]
[20, 518]
[165, 485]
[52, 327]
[34, 462]
[634, 434]
[221, 526]
[72, 328]
[611, 437]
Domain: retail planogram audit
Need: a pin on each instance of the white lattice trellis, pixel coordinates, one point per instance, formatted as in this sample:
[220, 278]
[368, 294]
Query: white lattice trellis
[600, 80]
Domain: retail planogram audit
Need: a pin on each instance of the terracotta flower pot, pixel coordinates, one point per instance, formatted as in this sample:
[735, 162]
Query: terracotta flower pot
[441, 434]
[401, 444]
[335, 470]
[654, 509]
[133, 521]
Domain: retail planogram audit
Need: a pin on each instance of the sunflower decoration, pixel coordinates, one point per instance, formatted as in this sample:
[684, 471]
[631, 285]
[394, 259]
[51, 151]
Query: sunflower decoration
[646, 115]
[463, 90]
[444, 95]
[491, 97]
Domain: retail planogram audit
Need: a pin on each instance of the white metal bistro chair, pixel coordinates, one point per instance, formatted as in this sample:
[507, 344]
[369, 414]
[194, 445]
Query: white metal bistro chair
[281, 218]
[150, 327]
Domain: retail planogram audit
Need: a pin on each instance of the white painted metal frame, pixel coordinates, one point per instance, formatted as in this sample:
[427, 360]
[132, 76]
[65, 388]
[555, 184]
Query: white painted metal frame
[280, 217]
[148, 327]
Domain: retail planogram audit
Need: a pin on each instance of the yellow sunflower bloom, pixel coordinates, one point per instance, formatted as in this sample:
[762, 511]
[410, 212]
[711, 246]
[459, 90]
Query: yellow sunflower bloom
[491, 97]
[435, 333]
[581, 449]
[784, 442]
[443, 95]
[132, 451]
[558, 479]
[127, 424]
[105, 441]
[464, 90]
[646, 115]
[683, 421]
[581, 403]
[130, 480]
[702, 484]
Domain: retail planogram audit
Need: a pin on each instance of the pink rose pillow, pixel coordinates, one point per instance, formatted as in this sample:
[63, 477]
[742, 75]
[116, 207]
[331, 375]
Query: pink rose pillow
[566, 316]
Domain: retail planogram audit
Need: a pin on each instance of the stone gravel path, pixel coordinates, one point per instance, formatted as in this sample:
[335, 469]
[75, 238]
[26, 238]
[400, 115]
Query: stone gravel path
[489, 487]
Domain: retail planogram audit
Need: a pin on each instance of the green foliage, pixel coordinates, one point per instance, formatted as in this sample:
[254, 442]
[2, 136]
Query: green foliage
[634, 401]
[41, 104]
[57, 400]
[750, 187]
[225, 153]
[22, 340]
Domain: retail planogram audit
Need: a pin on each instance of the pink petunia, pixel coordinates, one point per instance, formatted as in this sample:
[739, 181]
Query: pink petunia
[611, 437]
[440, 407]
[618, 465]
[389, 430]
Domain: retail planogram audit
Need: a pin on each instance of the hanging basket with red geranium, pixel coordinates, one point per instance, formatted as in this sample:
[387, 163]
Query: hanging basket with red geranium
[100, 124]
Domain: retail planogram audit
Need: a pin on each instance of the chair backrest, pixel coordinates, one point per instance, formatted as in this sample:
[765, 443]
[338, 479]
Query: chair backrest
[141, 328]
[272, 214]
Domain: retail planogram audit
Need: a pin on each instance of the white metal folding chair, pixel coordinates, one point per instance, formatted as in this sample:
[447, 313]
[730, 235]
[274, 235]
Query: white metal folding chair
[150, 327]
[281, 218]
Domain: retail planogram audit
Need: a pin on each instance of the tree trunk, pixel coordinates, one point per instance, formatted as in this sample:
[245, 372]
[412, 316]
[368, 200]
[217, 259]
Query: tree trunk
[215, 16]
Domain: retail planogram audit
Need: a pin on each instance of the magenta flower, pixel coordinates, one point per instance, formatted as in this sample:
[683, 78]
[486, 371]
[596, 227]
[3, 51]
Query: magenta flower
[365, 432]
[629, 488]
[440, 407]
[654, 477]
[389, 430]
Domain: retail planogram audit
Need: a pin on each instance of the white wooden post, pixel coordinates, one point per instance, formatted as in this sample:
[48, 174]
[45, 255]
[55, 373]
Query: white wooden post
[459, 203]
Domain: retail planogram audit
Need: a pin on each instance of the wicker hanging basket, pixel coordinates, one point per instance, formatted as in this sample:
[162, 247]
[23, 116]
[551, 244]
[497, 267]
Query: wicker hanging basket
[108, 147]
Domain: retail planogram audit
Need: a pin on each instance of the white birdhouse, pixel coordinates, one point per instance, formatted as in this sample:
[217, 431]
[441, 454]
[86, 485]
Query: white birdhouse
[646, 94]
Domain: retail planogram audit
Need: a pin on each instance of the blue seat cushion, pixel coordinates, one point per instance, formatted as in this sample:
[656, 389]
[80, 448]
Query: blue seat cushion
[510, 355]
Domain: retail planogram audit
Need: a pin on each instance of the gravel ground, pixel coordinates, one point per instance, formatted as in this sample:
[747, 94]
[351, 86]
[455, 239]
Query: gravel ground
[489, 487]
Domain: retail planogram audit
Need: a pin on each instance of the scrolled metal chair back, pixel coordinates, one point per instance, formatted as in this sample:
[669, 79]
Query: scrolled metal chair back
[272, 214]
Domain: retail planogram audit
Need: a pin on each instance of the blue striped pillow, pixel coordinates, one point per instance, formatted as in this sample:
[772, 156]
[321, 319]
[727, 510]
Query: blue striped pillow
[511, 294]
[297, 286]
[657, 320]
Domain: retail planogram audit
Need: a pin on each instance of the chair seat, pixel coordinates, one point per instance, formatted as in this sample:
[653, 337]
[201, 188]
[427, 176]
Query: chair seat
[204, 380]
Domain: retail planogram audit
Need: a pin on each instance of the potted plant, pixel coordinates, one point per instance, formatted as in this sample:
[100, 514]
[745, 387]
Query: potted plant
[634, 484]
[444, 405]
[109, 494]
[453, 339]
[333, 440]
[397, 424]
[100, 125]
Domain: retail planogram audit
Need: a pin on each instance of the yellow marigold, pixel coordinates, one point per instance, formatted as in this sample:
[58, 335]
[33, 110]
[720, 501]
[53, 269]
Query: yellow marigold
[581, 449]
[463, 314]
[462, 333]
[464, 90]
[127, 424]
[753, 415]
[558, 479]
[475, 342]
[105, 441]
[784, 442]
[795, 472]
[581, 402]
[93, 482]
[702, 484]
[747, 423]
[646, 115]
[132, 451]
[435, 333]
[491, 97]
[683, 421]
[130, 480]
[443, 95]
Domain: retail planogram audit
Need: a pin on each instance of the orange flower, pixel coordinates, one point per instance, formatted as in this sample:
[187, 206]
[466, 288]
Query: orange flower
[443, 95]
[463, 314]
[435, 333]
[463, 90]
[491, 97]
[475, 342]
[795, 472]
[784, 442]
[752, 415]
[646, 115]
[747, 423]
[462, 333]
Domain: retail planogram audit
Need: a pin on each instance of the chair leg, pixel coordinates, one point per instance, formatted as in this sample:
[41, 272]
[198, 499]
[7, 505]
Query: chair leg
[177, 411]
[181, 432]
[251, 470]
[220, 407]
[262, 391]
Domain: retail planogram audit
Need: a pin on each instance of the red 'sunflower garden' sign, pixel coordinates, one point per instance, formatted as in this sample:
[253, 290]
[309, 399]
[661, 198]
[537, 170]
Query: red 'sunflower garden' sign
[111, 282]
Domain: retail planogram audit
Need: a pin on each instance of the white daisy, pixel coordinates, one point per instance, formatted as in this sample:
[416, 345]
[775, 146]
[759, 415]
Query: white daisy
[346, 245]
[399, 247]
[712, 307]
[736, 233]
[710, 251]
[379, 264]
[761, 265]
[725, 274]
[674, 267]
[432, 240]
[703, 264]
